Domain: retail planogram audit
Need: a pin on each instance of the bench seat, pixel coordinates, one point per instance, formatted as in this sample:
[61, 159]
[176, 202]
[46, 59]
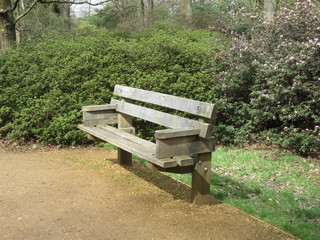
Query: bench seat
[184, 146]
[138, 146]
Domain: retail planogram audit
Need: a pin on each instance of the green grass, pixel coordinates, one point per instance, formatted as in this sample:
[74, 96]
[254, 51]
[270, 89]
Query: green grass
[279, 187]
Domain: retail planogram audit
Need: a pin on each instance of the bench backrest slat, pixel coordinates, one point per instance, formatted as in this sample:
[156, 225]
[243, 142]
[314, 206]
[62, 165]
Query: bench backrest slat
[198, 108]
[161, 118]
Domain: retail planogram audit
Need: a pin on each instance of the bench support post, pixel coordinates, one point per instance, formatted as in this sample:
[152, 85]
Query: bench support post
[200, 191]
[124, 157]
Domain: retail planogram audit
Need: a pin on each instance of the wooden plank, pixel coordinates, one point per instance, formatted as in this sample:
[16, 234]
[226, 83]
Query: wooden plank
[106, 114]
[173, 133]
[177, 169]
[100, 118]
[100, 122]
[130, 137]
[161, 118]
[98, 108]
[201, 174]
[124, 122]
[142, 151]
[198, 108]
[93, 138]
[183, 146]
[124, 157]
[130, 130]
[183, 161]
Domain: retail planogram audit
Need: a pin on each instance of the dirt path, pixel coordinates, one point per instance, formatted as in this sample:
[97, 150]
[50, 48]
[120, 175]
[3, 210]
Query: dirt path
[77, 194]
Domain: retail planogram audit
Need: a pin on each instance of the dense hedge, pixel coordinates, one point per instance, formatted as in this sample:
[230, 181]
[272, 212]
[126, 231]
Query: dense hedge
[44, 85]
[269, 88]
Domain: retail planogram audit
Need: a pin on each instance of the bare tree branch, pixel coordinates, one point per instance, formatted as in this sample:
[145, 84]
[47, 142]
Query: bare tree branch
[17, 19]
[4, 11]
[74, 2]
[15, 5]
[54, 1]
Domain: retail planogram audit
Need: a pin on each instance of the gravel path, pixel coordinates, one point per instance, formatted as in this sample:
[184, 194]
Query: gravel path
[82, 194]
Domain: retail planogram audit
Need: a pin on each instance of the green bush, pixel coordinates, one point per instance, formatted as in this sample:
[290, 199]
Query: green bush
[270, 84]
[224, 16]
[44, 85]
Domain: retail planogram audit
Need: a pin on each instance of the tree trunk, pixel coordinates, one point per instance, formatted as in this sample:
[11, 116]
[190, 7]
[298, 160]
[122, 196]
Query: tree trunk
[20, 9]
[65, 12]
[146, 12]
[141, 12]
[120, 5]
[252, 4]
[7, 26]
[270, 7]
[186, 10]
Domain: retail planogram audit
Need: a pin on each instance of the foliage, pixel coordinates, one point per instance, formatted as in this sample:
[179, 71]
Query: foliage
[270, 85]
[43, 18]
[279, 187]
[223, 16]
[266, 86]
[113, 16]
[44, 85]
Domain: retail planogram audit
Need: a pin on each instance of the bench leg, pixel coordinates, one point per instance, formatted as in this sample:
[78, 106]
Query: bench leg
[124, 157]
[125, 124]
[200, 191]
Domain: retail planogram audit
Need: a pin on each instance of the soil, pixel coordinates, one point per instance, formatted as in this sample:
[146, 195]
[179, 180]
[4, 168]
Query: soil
[82, 194]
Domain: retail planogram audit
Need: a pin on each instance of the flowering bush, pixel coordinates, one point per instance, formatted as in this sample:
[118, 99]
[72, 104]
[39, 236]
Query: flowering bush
[271, 79]
[223, 16]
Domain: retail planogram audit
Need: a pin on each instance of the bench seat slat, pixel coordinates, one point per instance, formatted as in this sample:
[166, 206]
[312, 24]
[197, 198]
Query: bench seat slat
[198, 108]
[94, 108]
[161, 118]
[174, 133]
[130, 137]
[140, 147]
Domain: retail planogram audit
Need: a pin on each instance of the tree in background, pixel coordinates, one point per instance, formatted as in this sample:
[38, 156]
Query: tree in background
[146, 12]
[270, 8]
[185, 10]
[12, 12]
[43, 19]
[252, 4]
[7, 24]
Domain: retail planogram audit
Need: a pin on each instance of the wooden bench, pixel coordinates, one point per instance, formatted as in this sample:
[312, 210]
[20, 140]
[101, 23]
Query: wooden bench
[185, 147]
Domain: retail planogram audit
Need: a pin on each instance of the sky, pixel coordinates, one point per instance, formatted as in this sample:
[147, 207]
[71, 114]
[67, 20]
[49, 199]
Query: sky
[83, 10]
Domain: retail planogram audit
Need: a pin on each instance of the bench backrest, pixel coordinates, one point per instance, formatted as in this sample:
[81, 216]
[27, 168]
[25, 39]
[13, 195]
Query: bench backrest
[206, 111]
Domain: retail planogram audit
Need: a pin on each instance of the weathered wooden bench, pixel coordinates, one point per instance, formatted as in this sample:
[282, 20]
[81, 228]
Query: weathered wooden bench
[183, 148]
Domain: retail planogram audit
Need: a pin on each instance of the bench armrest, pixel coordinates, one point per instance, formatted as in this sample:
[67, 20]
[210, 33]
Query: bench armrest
[183, 141]
[99, 115]
[174, 133]
[95, 108]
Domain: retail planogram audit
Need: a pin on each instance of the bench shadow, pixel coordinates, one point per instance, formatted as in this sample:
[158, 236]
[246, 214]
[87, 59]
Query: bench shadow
[172, 186]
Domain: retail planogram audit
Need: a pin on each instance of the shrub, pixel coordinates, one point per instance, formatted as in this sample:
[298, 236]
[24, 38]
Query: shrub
[44, 85]
[271, 79]
[224, 16]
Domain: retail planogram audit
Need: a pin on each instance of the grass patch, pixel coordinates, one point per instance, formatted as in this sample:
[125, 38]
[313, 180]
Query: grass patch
[279, 187]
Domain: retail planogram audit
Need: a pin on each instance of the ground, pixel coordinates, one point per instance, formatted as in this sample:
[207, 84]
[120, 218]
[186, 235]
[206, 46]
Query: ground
[83, 194]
